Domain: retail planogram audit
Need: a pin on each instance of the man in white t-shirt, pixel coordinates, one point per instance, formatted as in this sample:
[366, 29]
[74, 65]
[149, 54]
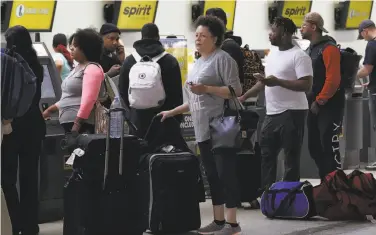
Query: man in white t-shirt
[288, 75]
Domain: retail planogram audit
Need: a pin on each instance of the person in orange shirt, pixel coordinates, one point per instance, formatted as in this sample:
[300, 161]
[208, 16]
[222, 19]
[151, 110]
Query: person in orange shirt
[327, 97]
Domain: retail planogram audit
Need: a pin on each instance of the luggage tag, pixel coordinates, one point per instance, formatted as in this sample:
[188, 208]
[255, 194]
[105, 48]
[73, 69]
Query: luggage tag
[168, 149]
[244, 134]
[77, 152]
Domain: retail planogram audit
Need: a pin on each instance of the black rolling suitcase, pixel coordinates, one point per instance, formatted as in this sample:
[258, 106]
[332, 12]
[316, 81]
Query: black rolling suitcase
[101, 197]
[249, 159]
[174, 188]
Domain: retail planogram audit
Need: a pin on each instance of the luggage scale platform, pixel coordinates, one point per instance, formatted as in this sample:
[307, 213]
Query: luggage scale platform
[254, 223]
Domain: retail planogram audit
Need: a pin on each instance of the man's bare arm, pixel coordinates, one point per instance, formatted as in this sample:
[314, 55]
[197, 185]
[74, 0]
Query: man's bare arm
[302, 84]
[254, 91]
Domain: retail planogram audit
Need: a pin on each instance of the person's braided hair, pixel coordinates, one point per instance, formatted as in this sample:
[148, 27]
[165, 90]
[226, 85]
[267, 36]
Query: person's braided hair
[287, 24]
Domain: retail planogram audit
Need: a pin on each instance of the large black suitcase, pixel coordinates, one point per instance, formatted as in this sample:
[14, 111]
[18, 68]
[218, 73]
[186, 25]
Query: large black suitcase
[175, 190]
[172, 185]
[101, 196]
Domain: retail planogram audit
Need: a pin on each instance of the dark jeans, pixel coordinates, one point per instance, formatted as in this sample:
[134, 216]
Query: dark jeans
[20, 152]
[285, 130]
[221, 174]
[323, 139]
[372, 107]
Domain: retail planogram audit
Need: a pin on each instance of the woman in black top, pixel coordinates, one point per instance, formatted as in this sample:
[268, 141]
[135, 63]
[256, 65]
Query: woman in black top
[21, 149]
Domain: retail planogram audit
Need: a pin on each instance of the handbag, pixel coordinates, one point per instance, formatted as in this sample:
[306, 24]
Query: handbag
[225, 129]
[110, 90]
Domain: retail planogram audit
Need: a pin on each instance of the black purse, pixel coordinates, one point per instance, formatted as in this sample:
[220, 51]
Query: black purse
[225, 130]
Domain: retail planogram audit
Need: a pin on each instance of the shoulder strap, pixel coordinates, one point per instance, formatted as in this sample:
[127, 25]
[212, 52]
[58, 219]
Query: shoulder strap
[158, 57]
[90, 64]
[136, 56]
[327, 44]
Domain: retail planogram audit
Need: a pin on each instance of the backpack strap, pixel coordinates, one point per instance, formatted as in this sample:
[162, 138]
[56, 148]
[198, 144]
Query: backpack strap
[136, 56]
[158, 57]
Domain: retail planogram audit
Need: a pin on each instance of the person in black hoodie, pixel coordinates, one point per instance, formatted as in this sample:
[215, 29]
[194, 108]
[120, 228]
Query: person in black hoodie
[150, 46]
[327, 97]
[21, 149]
[232, 43]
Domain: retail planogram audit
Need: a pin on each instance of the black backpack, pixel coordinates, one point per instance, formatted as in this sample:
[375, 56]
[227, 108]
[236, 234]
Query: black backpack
[349, 65]
[18, 85]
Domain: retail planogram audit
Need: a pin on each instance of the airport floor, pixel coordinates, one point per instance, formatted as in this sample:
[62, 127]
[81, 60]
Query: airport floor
[254, 223]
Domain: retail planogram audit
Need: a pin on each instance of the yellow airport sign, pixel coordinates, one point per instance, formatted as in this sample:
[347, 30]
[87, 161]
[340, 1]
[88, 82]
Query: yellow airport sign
[36, 16]
[296, 10]
[357, 12]
[134, 14]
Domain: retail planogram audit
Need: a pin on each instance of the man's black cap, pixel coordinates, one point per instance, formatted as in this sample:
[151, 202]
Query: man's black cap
[363, 25]
[109, 28]
[150, 30]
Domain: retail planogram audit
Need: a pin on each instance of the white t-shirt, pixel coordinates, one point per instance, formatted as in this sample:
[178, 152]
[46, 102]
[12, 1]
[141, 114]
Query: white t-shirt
[289, 65]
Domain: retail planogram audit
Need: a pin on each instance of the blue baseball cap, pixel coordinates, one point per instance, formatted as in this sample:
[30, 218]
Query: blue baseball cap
[363, 25]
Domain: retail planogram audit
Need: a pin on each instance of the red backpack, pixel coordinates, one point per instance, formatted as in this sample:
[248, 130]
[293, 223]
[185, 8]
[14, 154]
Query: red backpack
[346, 197]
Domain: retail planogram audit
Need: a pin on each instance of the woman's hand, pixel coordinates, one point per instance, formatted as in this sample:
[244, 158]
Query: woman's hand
[165, 115]
[198, 89]
[46, 114]
[241, 99]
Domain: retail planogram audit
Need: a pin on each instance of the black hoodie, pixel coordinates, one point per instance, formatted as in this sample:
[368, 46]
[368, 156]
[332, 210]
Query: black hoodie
[323, 74]
[232, 47]
[171, 78]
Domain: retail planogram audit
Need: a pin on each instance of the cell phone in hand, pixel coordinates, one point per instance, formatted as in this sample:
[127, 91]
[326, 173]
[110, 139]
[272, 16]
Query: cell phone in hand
[259, 76]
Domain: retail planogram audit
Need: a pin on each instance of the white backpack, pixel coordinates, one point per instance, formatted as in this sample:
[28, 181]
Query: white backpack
[145, 83]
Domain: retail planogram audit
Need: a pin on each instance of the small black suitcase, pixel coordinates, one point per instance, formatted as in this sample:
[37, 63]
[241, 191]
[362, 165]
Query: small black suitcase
[101, 196]
[249, 159]
[249, 174]
[175, 189]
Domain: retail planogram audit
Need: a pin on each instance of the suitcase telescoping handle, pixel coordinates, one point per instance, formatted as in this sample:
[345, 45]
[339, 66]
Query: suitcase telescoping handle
[108, 137]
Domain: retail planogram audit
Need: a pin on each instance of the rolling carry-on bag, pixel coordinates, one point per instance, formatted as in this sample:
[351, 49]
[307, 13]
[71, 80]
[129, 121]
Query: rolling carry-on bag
[100, 197]
[249, 158]
[174, 188]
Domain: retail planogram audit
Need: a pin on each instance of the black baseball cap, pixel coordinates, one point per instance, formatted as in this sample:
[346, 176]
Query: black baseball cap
[363, 25]
[109, 28]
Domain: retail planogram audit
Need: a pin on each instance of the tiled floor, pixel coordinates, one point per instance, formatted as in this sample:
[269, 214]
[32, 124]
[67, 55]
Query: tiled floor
[254, 223]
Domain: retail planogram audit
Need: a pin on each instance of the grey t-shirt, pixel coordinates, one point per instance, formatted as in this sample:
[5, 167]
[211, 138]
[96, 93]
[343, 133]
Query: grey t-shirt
[217, 70]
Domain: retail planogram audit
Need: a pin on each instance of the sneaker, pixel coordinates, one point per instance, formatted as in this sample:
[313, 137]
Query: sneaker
[371, 167]
[228, 230]
[254, 205]
[210, 228]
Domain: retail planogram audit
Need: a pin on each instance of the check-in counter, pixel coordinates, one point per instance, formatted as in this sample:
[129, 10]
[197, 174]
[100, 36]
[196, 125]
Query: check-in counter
[52, 170]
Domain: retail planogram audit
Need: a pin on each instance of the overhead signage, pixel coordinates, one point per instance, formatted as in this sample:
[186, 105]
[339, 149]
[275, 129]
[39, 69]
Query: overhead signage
[36, 16]
[295, 10]
[357, 12]
[228, 6]
[132, 15]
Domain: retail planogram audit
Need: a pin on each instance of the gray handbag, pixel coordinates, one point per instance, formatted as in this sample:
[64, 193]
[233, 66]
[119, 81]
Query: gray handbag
[225, 129]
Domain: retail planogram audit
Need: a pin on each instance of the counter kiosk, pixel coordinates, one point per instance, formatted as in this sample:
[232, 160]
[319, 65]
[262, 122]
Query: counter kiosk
[52, 160]
[51, 167]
